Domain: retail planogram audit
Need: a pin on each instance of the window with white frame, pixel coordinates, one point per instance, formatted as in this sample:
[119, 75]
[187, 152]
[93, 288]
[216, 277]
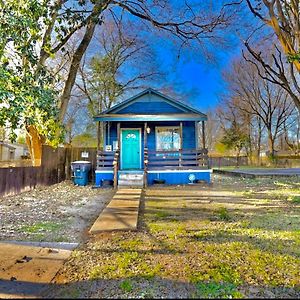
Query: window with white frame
[167, 138]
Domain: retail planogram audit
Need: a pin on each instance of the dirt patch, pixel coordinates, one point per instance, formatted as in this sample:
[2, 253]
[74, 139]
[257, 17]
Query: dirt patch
[59, 213]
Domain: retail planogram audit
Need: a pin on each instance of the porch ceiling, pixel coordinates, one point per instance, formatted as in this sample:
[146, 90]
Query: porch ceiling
[148, 118]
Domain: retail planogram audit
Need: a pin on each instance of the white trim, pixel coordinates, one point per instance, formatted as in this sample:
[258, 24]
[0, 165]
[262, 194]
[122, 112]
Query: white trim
[120, 146]
[180, 171]
[104, 171]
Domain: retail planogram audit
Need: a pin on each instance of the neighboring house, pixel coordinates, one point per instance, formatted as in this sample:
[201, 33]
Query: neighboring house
[266, 153]
[13, 151]
[152, 137]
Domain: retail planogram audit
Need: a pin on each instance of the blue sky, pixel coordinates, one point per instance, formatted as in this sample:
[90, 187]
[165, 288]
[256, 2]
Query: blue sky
[201, 79]
[191, 74]
[204, 79]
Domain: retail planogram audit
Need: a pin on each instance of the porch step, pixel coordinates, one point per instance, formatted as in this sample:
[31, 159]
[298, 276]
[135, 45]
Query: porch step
[133, 183]
[131, 179]
[131, 176]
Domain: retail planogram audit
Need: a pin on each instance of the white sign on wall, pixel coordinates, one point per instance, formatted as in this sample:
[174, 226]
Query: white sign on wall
[108, 148]
[84, 154]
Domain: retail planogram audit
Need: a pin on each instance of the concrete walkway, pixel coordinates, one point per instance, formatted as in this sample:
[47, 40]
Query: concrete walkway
[121, 213]
[26, 271]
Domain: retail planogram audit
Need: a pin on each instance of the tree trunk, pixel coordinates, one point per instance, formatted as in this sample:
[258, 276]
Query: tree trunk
[284, 39]
[34, 142]
[238, 158]
[259, 143]
[271, 145]
[76, 59]
[250, 151]
[294, 144]
[298, 137]
[271, 141]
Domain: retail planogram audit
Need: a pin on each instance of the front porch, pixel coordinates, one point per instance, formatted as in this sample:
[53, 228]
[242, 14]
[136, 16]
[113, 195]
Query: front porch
[163, 165]
[174, 167]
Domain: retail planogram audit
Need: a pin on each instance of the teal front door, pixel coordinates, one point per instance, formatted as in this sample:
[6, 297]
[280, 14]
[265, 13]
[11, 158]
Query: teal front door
[130, 149]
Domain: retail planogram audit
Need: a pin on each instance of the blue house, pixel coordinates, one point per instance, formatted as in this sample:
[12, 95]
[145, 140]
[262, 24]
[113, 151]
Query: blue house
[151, 138]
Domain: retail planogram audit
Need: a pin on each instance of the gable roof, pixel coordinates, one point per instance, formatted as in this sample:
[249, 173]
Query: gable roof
[185, 108]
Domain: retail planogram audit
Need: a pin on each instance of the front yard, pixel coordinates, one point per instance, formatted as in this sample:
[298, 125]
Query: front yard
[58, 213]
[237, 238]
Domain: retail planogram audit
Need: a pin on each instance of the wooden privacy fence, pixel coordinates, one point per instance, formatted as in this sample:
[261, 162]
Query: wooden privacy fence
[280, 161]
[284, 161]
[227, 161]
[55, 167]
[14, 180]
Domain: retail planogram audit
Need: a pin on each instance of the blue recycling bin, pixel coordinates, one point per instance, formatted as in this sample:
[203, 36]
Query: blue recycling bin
[80, 169]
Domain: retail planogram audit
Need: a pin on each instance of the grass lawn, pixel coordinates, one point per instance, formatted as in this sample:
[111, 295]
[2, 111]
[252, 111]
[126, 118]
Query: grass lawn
[239, 238]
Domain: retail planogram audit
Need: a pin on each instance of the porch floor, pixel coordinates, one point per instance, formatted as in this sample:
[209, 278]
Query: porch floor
[121, 213]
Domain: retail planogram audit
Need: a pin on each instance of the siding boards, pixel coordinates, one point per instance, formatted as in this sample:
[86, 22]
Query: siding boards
[189, 141]
[153, 104]
[150, 108]
[188, 132]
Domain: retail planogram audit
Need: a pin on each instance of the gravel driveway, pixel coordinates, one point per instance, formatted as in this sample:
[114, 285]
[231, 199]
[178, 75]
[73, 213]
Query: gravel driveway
[58, 213]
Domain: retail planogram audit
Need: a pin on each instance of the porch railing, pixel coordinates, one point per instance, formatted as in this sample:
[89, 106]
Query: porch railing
[105, 160]
[116, 168]
[156, 160]
[145, 166]
[182, 159]
[109, 160]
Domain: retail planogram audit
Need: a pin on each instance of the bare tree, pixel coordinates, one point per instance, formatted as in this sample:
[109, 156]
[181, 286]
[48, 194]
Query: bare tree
[259, 97]
[271, 66]
[234, 130]
[292, 134]
[105, 78]
[283, 17]
[213, 130]
[188, 22]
